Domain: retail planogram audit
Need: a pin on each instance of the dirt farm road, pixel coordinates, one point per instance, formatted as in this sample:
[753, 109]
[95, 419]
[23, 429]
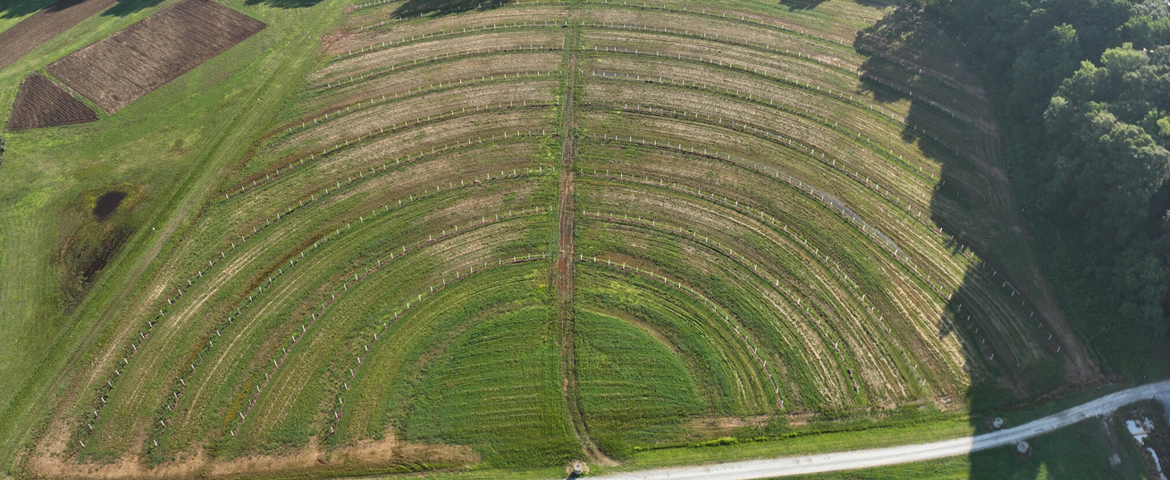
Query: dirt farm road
[838, 461]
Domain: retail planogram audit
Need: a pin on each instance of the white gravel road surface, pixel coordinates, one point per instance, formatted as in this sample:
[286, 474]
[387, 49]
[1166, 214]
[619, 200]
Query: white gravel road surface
[850, 460]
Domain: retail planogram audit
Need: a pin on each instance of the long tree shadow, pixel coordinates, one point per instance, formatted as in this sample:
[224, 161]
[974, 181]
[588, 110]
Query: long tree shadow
[795, 5]
[127, 7]
[952, 123]
[20, 8]
[801, 4]
[413, 8]
[283, 3]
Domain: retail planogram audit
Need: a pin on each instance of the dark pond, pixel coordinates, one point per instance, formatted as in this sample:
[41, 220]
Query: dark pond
[107, 203]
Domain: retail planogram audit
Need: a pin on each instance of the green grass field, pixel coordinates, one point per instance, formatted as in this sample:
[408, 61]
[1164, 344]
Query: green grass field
[343, 249]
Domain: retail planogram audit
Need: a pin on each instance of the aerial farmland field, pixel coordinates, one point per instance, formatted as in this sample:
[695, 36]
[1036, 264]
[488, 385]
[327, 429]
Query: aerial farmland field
[454, 239]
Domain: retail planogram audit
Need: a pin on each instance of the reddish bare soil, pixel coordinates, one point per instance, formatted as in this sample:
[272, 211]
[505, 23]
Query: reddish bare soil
[311, 461]
[41, 103]
[42, 26]
[133, 62]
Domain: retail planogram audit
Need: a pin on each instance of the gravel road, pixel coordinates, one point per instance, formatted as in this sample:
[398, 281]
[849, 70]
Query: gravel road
[837, 461]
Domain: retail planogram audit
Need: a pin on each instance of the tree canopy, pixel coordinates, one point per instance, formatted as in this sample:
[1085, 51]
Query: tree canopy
[1083, 88]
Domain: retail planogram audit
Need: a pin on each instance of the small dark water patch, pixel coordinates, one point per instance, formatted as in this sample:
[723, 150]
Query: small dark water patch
[107, 203]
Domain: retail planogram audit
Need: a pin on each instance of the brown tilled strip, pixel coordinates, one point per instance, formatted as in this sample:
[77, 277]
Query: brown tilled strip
[46, 24]
[41, 103]
[123, 67]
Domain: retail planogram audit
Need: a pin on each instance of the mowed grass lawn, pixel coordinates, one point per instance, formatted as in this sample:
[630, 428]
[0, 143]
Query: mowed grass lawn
[167, 150]
[494, 388]
[634, 389]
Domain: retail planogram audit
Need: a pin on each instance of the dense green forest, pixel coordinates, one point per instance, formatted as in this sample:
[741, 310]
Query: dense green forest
[1083, 93]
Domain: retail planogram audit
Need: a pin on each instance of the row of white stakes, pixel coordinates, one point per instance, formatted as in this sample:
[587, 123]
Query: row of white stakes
[813, 152]
[437, 58]
[901, 257]
[478, 7]
[173, 403]
[423, 90]
[268, 177]
[775, 282]
[447, 34]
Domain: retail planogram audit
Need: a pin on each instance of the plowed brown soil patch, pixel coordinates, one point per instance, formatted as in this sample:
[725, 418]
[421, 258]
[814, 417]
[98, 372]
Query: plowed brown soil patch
[42, 26]
[313, 461]
[133, 62]
[41, 103]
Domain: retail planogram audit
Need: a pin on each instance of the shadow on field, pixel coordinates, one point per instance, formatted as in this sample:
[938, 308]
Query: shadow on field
[442, 7]
[795, 5]
[976, 205]
[283, 3]
[20, 8]
[127, 7]
[801, 4]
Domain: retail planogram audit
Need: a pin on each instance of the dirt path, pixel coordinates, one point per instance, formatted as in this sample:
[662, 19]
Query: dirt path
[563, 268]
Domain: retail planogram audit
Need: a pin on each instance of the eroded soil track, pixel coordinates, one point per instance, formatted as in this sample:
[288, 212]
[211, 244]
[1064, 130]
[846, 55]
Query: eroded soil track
[563, 268]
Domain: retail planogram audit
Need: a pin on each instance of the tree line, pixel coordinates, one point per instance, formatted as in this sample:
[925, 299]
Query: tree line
[1082, 89]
